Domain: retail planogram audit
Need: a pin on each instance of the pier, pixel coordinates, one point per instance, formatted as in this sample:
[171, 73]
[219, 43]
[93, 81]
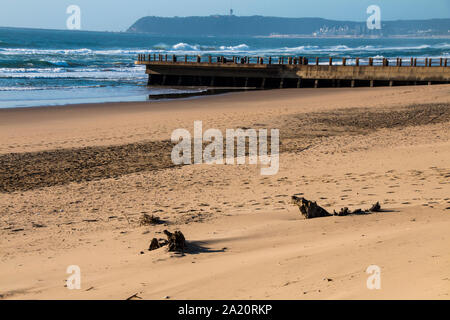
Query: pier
[292, 72]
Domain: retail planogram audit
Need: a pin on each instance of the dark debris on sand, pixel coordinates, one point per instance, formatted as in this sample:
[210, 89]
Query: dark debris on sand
[175, 242]
[310, 209]
[147, 219]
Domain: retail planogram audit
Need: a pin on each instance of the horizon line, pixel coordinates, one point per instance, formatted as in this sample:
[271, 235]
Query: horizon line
[211, 15]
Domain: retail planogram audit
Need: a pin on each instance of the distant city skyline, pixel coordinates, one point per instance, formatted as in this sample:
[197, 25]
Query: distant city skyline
[115, 15]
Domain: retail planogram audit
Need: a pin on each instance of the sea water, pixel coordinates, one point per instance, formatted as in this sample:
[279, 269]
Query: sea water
[57, 67]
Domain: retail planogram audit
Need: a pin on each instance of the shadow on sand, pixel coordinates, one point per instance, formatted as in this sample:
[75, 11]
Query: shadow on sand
[197, 247]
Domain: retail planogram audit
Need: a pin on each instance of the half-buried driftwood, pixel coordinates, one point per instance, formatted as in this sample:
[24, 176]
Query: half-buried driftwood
[175, 242]
[346, 212]
[154, 245]
[375, 208]
[311, 209]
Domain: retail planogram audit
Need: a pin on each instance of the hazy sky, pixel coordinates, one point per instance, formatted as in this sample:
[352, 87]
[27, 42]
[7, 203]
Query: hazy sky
[118, 15]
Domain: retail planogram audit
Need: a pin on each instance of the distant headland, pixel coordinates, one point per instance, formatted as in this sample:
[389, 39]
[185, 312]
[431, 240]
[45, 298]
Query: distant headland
[231, 25]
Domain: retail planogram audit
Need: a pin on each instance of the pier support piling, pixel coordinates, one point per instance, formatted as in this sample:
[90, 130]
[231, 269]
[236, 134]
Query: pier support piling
[253, 72]
[263, 83]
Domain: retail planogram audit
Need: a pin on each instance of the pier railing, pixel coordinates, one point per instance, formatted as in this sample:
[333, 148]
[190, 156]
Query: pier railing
[291, 72]
[297, 60]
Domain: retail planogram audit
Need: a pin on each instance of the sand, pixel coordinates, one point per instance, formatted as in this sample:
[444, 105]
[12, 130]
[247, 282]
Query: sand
[75, 180]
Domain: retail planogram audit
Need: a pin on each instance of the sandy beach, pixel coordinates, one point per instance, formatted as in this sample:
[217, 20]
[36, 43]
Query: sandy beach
[75, 181]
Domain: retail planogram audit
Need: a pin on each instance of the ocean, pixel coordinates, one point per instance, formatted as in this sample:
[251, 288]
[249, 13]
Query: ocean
[58, 67]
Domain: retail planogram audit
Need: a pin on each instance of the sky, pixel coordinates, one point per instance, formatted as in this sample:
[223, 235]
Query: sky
[118, 15]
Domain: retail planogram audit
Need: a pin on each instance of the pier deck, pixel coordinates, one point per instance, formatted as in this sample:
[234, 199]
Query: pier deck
[292, 72]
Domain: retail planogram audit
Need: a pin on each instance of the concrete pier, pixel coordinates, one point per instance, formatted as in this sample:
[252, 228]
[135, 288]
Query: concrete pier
[292, 72]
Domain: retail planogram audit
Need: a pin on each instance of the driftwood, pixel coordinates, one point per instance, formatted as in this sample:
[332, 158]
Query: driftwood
[311, 209]
[345, 211]
[375, 208]
[154, 244]
[134, 296]
[157, 243]
[175, 242]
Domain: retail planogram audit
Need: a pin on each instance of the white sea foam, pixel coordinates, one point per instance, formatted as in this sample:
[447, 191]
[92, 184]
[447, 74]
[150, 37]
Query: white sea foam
[239, 47]
[118, 74]
[29, 88]
[187, 48]
[69, 52]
